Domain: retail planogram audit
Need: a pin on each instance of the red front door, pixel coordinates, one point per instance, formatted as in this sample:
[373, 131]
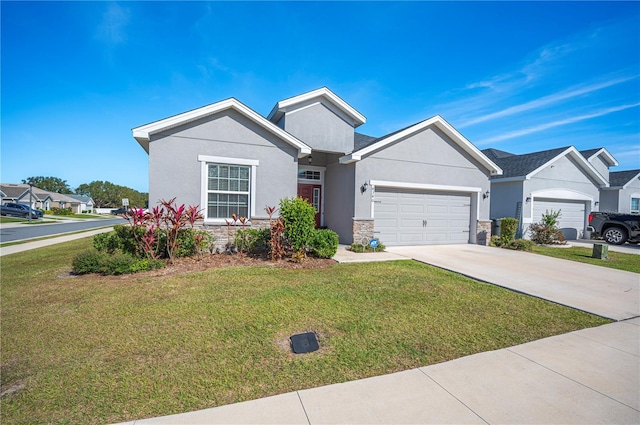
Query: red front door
[312, 194]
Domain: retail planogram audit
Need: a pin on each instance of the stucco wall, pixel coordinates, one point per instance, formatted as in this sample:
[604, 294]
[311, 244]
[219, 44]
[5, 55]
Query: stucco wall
[504, 198]
[321, 127]
[174, 169]
[633, 190]
[339, 198]
[608, 200]
[601, 166]
[428, 157]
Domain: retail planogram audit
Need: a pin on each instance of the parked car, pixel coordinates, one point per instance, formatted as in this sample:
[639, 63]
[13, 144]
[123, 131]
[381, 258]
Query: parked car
[615, 228]
[19, 210]
[119, 211]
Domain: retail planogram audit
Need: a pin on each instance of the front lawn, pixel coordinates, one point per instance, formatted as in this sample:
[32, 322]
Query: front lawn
[93, 349]
[617, 260]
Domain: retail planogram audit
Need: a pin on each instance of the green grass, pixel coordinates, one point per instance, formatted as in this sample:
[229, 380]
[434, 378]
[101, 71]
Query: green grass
[108, 349]
[49, 237]
[617, 260]
[4, 219]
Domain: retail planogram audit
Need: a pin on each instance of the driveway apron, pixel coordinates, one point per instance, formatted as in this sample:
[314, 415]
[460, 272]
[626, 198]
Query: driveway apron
[610, 293]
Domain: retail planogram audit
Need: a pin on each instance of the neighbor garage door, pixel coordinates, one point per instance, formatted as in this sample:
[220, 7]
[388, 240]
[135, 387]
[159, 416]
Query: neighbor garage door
[572, 215]
[421, 218]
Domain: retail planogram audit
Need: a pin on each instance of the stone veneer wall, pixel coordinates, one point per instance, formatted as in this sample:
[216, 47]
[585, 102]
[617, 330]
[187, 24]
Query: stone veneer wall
[483, 236]
[223, 234]
[362, 228]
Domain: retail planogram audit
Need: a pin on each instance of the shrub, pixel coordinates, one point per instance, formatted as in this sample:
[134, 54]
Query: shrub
[521, 245]
[546, 232]
[253, 241]
[88, 262]
[299, 222]
[508, 229]
[496, 241]
[106, 242]
[119, 264]
[356, 247]
[62, 211]
[324, 243]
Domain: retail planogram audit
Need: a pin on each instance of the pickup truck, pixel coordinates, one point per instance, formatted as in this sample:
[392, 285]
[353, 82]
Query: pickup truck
[615, 228]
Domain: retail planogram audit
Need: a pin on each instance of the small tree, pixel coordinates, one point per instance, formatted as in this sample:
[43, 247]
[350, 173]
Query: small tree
[546, 232]
[508, 229]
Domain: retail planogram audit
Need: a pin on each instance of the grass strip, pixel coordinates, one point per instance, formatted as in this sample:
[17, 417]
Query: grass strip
[107, 349]
[616, 260]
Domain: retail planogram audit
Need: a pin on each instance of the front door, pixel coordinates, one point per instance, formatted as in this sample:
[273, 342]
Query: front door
[311, 194]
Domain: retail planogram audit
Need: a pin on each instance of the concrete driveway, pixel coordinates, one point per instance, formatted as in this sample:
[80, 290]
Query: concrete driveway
[610, 293]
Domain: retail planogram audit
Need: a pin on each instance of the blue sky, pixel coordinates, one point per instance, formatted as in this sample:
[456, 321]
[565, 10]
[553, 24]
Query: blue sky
[518, 76]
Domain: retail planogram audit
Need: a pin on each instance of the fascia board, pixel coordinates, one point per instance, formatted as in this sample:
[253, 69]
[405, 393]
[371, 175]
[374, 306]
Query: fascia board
[439, 122]
[509, 179]
[586, 165]
[611, 160]
[143, 133]
[282, 105]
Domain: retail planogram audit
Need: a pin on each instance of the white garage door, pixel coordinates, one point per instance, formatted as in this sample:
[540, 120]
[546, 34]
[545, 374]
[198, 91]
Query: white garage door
[421, 218]
[572, 215]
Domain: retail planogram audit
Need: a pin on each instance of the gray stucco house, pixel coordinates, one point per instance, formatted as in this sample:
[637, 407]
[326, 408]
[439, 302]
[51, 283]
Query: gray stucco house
[557, 179]
[423, 184]
[623, 193]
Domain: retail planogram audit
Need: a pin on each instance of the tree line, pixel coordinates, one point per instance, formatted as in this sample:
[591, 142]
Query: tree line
[104, 194]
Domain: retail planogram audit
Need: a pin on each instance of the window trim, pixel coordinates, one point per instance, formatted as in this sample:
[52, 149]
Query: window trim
[205, 160]
[631, 198]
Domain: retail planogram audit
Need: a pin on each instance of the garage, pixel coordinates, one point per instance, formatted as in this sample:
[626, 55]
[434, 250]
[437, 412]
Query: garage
[404, 217]
[572, 215]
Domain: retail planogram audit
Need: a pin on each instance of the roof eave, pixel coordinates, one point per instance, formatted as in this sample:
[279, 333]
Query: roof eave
[586, 165]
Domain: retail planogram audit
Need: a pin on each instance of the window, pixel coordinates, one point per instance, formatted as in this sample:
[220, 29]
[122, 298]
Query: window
[635, 205]
[228, 186]
[228, 190]
[308, 175]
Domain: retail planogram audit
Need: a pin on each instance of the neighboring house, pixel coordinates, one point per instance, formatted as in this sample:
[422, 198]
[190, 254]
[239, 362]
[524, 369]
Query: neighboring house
[42, 199]
[559, 179]
[623, 193]
[424, 184]
[85, 203]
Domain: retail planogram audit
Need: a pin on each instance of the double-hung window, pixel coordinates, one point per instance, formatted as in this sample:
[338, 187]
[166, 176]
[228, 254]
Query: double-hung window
[228, 186]
[227, 190]
[635, 205]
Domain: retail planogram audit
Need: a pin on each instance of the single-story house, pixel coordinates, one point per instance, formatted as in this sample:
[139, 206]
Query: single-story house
[85, 203]
[423, 184]
[560, 179]
[623, 193]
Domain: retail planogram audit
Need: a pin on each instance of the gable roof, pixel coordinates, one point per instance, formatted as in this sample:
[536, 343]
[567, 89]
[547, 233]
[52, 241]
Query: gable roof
[591, 153]
[523, 167]
[495, 154]
[436, 121]
[13, 191]
[80, 198]
[283, 106]
[620, 179]
[143, 133]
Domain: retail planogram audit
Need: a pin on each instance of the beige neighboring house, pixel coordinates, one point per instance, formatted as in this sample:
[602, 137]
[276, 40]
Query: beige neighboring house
[42, 199]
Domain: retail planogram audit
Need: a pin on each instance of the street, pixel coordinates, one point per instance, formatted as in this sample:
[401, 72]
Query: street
[9, 233]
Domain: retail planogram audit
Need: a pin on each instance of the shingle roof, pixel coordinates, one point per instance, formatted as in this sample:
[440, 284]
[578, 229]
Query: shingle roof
[362, 140]
[589, 152]
[521, 165]
[13, 190]
[80, 198]
[620, 178]
[494, 154]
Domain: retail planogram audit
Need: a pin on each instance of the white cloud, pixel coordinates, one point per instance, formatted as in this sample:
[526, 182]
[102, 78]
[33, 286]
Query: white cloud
[111, 29]
[557, 123]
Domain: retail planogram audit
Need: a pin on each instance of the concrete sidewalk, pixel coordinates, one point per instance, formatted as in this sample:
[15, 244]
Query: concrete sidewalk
[26, 246]
[583, 377]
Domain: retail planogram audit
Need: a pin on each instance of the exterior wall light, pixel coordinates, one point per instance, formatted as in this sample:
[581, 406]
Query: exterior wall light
[485, 195]
[310, 159]
[528, 199]
[364, 187]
